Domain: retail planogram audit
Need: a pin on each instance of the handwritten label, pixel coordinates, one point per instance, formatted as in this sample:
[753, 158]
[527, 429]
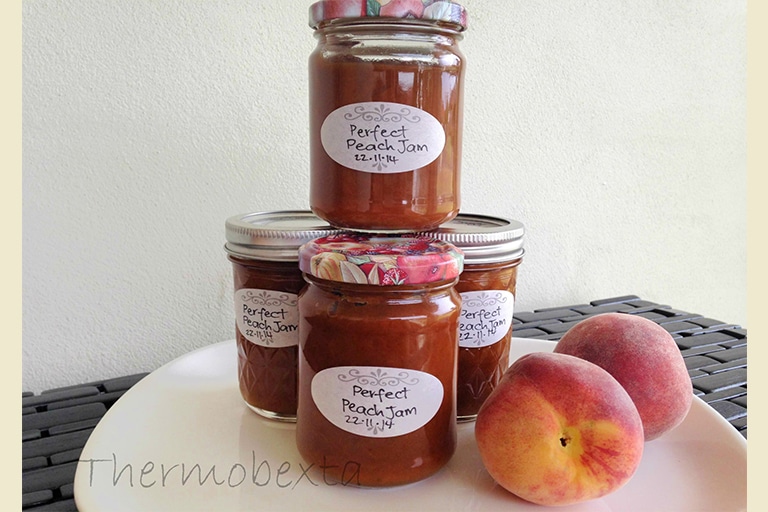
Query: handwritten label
[382, 137]
[486, 317]
[267, 317]
[377, 401]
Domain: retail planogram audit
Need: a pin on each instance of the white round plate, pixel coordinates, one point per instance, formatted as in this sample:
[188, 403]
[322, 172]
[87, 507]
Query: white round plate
[182, 440]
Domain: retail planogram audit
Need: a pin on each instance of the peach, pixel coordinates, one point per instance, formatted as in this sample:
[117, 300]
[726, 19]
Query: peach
[644, 358]
[559, 430]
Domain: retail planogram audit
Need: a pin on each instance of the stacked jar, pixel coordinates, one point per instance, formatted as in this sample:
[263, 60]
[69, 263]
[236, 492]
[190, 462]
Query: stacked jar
[386, 112]
[378, 334]
[383, 373]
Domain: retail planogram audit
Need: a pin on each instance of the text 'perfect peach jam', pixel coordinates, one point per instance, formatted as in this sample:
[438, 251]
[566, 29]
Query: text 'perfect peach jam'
[377, 357]
[263, 248]
[386, 113]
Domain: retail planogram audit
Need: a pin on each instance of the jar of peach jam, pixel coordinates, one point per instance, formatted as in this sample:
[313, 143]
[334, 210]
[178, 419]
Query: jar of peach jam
[386, 113]
[493, 250]
[377, 357]
[264, 251]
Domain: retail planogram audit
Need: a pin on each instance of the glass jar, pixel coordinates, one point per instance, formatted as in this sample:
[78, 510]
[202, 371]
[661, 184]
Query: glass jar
[263, 248]
[493, 249]
[386, 113]
[377, 357]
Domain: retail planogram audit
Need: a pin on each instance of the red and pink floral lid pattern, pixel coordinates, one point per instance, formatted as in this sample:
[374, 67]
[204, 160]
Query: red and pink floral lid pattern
[380, 260]
[436, 10]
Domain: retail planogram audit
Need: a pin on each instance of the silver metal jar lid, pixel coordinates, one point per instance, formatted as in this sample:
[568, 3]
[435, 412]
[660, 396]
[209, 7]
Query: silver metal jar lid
[273, 236]
[483, 239]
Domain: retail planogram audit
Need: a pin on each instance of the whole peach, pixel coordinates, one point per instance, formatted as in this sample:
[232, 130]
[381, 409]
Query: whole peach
[644, 358]
[559, 430]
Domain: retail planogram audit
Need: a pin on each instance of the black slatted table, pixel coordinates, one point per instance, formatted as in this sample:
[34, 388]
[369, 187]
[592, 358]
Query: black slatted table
[55, 426]
[56, 423]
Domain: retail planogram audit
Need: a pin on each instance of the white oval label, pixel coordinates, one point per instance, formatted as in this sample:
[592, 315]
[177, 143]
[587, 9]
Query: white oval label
[382, 137]
[267, 317]
[373, 401]
[486, 317]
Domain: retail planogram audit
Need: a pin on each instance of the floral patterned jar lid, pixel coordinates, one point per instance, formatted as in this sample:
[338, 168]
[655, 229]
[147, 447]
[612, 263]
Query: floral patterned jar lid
[381, 260]
[431, 10]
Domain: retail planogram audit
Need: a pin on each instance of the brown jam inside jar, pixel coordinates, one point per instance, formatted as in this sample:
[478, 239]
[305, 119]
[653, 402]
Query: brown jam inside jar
[386, 114]
[268, 376]
[263, 248]
[377, 368]
[481, 368]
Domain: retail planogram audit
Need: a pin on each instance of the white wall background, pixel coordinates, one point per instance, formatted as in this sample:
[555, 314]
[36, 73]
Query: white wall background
[614, 130]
